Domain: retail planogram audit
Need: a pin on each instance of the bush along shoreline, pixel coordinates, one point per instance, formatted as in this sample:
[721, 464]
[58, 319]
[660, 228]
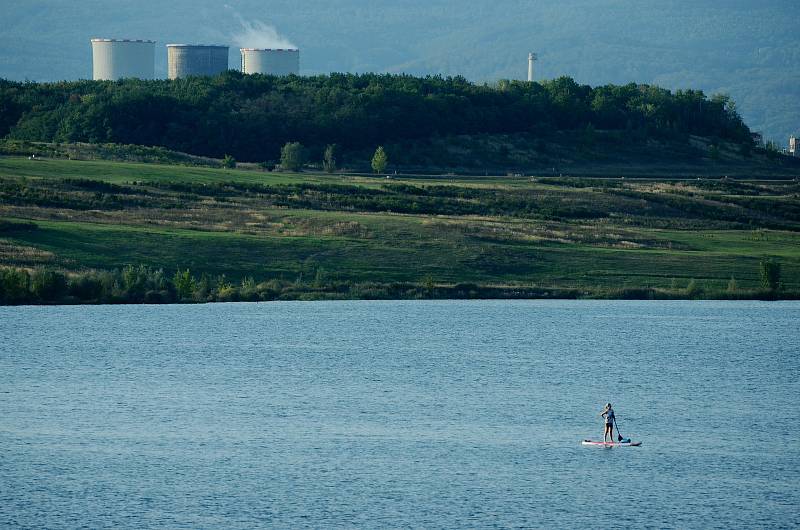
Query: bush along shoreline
[145, 285]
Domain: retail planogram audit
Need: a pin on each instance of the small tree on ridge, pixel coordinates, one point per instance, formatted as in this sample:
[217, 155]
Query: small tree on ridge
[229, 162]
[329, 158]
[379, 160]
[292, 156]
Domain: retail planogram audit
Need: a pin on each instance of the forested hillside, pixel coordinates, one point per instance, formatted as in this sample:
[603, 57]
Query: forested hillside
[251, 117]
[748, 49]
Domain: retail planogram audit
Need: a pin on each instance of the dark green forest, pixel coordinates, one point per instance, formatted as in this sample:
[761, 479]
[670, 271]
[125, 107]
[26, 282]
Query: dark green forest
[251, 117]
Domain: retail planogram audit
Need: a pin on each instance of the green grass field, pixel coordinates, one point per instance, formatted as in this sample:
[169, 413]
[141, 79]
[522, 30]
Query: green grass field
[636, 234]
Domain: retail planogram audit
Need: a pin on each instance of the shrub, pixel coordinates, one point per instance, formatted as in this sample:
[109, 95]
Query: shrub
[86, 286]
[138, 280]
[14, 285]
[228, 294]
[248, 290]
[770, 273]
[184, 283]
[229, 162]
[693, 290]
[292, 156]
[202, 289]
[48, 285]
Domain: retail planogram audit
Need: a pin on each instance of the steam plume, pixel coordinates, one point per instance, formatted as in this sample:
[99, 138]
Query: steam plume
[257, 34]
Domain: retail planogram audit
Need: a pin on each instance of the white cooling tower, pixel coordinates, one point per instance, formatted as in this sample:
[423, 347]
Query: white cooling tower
[196, 59]
[270, 61]
[114, 59]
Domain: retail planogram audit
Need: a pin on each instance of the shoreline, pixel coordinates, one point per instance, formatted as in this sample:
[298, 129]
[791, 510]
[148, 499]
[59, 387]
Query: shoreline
[443, 293]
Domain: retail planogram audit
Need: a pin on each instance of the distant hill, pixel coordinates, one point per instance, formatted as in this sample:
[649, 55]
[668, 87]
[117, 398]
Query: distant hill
[748, 49]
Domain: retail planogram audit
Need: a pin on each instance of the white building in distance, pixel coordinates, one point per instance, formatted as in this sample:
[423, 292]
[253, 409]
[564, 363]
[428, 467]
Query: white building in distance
[114, 59]
[271, 61]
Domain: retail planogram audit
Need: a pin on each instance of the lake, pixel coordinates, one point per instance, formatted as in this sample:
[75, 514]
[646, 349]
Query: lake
[400, 414]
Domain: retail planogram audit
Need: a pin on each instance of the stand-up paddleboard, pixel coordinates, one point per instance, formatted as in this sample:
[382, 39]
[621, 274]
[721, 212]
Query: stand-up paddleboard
[623, 443]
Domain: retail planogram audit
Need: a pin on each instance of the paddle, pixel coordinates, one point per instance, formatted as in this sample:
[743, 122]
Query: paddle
[619, 436]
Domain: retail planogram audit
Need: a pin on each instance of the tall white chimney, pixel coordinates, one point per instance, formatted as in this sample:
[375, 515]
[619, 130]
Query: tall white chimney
[531, 59]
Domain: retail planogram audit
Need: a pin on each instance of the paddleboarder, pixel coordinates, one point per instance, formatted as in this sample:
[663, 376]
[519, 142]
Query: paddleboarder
[608, 414]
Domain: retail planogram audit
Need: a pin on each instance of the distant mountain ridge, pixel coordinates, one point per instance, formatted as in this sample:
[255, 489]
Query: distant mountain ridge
[749, 50]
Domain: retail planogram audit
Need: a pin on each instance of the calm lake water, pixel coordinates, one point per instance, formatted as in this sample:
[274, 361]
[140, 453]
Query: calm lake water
[400, 414]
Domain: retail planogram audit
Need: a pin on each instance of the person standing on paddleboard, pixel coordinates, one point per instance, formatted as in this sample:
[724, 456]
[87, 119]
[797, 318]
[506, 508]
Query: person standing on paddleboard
[608, 414]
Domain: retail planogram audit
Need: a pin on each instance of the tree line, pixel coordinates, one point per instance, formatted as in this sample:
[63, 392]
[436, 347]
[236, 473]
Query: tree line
[251, 117]
[142, 284]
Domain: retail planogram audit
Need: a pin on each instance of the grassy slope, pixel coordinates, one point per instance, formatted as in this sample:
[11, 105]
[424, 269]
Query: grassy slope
[385, 247]
[606, 154]
[121, 172]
